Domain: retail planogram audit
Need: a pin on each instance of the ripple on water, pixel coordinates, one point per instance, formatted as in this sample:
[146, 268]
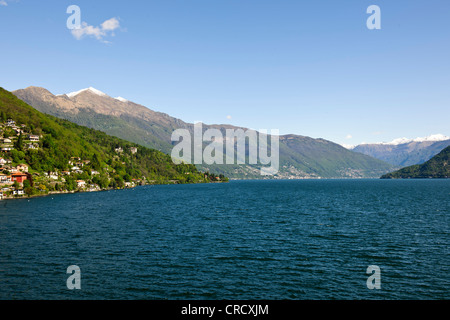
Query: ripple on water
[241, 240]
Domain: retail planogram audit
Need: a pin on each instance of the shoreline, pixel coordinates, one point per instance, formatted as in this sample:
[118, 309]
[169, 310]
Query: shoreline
[50, 193]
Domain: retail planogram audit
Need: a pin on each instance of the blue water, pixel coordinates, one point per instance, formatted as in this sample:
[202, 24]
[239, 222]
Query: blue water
[310, 239]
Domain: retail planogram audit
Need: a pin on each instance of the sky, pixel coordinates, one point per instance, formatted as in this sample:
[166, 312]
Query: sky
[311, 68]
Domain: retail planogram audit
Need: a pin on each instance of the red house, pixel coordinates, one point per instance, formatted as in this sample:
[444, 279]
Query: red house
[20, 177]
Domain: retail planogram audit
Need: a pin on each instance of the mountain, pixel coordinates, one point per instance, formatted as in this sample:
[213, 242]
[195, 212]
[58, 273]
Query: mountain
[49, 144]
[300, 156]
[436, 167]
[94, 109]
[405, 152]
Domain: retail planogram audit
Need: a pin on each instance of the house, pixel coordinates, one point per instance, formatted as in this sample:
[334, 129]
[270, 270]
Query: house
[10, 123]
[18, 192]
[94, 172]
[33, 137]
[22, 167]
[74, 160]
[6, 140]
[6, 148]
[4, 178]
[81, 183]
[118, 150]
[53, 175]
[20, 177]
[133, 150]
[32, 146]
[4, 161]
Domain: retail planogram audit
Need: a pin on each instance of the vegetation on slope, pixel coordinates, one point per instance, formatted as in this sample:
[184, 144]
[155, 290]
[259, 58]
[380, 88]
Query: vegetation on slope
[436, 167]
[106, 161]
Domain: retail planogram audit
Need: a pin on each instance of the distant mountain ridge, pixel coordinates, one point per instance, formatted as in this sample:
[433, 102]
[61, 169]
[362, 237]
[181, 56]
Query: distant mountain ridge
[405, 152]
[398, 141]
[300, 157]
[436, 167]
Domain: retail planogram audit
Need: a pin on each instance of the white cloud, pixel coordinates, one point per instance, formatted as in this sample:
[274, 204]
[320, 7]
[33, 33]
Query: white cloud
[4, 3]
[228, 117]
[349, 136]
[110, 25]
[105, 29]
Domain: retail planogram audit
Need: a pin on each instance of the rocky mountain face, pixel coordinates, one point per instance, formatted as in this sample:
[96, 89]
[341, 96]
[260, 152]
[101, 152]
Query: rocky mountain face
[405, 153]
[300, 156]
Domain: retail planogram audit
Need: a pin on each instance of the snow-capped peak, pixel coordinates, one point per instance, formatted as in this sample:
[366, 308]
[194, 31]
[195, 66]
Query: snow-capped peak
[433, 137]
[348, 146]
[93, 90]
[121, 99]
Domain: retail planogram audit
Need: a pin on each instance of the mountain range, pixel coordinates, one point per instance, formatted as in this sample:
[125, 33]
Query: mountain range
[437, 167]
[300, 156]
[405, 152]
[73, 152]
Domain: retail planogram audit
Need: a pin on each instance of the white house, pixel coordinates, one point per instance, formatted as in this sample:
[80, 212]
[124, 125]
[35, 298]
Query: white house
[33, 137]
[4, 178]
[22, 167]
[53, 175]
[81, 183]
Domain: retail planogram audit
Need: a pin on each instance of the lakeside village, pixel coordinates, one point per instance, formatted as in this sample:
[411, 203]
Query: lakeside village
[17, 179]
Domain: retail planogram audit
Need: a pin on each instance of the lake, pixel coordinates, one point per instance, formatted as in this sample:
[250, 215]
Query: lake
[284, 239]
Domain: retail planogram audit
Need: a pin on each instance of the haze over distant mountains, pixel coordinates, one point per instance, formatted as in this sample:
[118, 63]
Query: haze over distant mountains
[300, 156]
[405, 152]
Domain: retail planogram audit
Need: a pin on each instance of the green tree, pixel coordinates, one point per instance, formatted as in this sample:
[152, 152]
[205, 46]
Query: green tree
[26, 183]
[71, 184]
[19, 143]
[29, 190]
[17, 156]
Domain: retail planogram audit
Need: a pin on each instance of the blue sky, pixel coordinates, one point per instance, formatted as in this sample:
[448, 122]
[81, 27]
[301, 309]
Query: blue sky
[305, 67]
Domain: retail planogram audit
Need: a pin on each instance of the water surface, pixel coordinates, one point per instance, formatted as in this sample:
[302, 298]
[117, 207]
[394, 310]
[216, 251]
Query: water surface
[302, 239]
